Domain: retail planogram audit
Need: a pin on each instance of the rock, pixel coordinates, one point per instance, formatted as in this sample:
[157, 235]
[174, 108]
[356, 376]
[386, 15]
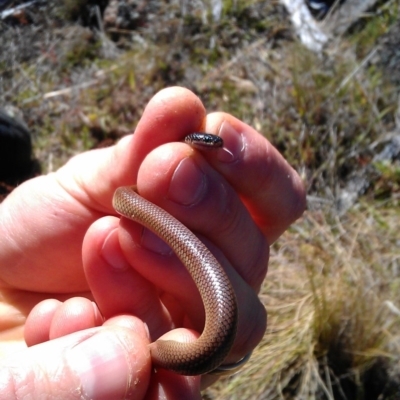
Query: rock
[16, 163]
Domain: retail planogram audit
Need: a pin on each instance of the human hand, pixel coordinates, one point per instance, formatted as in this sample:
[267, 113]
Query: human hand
[255, 195]
[96, 363]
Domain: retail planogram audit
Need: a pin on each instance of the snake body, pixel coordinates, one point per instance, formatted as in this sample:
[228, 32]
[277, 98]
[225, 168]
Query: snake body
[210, 349]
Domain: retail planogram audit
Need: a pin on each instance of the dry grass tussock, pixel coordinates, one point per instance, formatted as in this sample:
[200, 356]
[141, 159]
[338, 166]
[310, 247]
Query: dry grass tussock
[334, 329]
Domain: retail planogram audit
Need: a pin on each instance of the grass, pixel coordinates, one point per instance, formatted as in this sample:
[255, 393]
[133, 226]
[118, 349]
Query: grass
[332, 291]
[332, 332]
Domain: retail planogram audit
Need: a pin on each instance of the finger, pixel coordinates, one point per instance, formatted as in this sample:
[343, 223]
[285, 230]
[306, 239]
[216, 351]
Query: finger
[81, 363]
[271, 189]
[168, 385]
[116, 287]
[38, 322]
[75, 314]
[179, 180]
[166, 272]
[169, 116]
[51, 319]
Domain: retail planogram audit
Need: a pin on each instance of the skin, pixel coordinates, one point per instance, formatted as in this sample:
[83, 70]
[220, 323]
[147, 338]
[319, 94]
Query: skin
[92, 291]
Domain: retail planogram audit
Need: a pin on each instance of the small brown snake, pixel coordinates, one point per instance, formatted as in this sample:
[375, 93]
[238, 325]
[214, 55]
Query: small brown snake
[209, 351]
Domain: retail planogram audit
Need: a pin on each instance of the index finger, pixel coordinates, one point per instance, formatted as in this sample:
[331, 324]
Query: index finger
[270, 188]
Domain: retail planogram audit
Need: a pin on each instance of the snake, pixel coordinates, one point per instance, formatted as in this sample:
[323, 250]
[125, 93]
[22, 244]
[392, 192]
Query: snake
[209, 350]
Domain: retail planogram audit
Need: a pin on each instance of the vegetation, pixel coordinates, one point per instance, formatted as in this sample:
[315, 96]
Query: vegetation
[333, 288]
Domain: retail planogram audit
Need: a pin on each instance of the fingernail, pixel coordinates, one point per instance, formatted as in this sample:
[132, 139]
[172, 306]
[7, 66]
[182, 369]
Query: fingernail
[233, 144]
[188, 184]
[112, 253]
[146, 328]
[97, 314]
[103, 370]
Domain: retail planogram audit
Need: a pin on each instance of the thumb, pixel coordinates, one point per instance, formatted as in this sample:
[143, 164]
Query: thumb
[98, 363]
